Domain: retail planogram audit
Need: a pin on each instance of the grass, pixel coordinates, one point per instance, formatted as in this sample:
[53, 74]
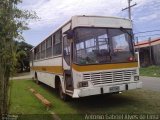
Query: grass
[151, 71]
[22, 101]
[135, 102]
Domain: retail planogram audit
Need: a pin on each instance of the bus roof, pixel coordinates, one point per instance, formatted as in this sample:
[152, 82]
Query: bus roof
[76, 16]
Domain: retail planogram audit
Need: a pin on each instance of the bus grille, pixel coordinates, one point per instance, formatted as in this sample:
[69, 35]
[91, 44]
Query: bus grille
[109, 77]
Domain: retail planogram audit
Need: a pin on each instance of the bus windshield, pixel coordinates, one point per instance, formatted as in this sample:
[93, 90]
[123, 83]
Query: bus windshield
[102, 45]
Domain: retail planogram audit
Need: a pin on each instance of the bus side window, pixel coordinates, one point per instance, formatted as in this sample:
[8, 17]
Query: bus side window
[66, 50]
[57, 45]
[31, 57]
[37, 53]
[43, 50]
[49, 47]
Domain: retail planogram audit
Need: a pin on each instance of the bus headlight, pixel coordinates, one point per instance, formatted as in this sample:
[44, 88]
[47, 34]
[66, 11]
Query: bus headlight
[83, 84]
[136, 78]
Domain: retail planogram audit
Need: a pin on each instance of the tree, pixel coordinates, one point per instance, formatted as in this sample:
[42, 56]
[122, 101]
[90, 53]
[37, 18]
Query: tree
[23, 58]
[12, 24]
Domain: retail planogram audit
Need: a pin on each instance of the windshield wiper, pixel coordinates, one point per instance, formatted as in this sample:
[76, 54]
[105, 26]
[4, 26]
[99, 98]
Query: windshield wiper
[124, 30]
[131, 35]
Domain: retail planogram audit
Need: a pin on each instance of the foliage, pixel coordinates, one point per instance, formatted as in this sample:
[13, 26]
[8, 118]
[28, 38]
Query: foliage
[22, 55]
[12, 23]
[152, 71]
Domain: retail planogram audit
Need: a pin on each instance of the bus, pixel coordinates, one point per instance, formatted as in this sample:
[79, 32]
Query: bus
[88, 55]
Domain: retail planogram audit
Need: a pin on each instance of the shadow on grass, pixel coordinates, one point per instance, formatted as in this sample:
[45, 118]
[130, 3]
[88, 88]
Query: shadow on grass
[101, 101]
[96, 103]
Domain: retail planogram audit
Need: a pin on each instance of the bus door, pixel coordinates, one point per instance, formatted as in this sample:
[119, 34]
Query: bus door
[67, 63]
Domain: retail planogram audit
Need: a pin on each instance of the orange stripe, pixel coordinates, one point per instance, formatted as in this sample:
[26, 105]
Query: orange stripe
[50, 69]
[104, 66]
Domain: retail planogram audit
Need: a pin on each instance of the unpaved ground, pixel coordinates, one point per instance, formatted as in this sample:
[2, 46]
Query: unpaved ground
[151, 83]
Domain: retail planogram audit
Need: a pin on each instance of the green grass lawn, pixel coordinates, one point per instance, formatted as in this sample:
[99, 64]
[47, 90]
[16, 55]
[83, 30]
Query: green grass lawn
[152, 71]
[22, 101]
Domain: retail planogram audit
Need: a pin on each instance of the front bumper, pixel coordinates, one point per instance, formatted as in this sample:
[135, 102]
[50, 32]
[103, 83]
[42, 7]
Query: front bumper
[105, 89]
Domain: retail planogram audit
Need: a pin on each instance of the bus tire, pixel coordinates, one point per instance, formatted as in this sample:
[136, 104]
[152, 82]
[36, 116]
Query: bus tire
[62, 95]
[36, 78]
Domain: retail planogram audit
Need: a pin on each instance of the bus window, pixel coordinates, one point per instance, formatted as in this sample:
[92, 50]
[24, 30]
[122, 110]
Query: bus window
[121, 48]
[91, 46]
[37, 53]
[43, 50]
[49, 47]
[31, 57]
[57, 46]
[66, 50]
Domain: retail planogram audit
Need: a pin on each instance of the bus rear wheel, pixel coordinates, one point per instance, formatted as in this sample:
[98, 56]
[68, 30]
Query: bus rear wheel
[36, 78]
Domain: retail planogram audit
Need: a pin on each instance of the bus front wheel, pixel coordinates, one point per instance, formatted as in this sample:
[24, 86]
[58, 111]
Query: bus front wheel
[62, 95]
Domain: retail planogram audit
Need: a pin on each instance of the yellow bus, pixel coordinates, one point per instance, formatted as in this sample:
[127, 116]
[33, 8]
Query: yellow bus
[88, 55]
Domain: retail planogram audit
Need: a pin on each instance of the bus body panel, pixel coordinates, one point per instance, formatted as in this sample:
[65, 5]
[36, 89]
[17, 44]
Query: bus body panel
[94, 21]
[104, 79]
[53, 61]
[66, 27]
[47, 70]
[106, 89]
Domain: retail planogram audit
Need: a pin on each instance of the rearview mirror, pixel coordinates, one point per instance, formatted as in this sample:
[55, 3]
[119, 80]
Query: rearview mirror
[69, 34]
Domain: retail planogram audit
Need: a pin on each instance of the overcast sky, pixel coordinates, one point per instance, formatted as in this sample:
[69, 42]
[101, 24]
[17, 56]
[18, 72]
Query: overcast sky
[54, 13]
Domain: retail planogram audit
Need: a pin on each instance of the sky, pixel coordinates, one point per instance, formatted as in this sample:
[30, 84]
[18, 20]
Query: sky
[54, 13]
